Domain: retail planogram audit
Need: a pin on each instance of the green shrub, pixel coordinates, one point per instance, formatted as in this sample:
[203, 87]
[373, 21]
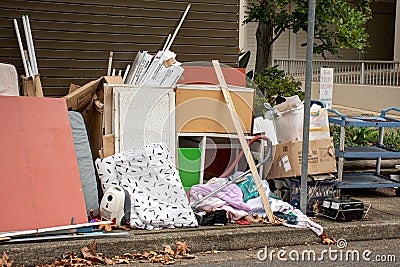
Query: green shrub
[366, 136]
[274, 84]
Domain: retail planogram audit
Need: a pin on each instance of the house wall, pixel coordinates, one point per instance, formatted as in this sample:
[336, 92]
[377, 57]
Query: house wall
[396, 52]
[366, 97]
[73, 37]
[381, 30]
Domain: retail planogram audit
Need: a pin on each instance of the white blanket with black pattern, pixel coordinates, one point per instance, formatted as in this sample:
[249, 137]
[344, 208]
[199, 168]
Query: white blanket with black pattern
[158, 199]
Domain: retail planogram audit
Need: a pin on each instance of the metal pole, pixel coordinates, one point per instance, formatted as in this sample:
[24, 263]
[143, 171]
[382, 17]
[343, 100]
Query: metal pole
[362, 79]
[307, 97]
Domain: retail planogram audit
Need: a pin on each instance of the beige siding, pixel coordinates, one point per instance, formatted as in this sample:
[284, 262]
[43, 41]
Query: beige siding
[73, 37]
[380, 29]
[281, 46]
[300, 40]
[251, 44]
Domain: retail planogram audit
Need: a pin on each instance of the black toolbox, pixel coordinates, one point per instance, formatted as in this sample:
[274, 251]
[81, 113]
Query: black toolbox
[342, 208]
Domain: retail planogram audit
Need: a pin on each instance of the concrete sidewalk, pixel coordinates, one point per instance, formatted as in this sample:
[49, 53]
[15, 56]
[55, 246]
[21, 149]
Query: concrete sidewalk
[382, 222]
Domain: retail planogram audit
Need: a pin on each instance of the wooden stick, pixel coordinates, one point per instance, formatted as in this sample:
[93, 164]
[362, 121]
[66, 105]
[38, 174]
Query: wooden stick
[242, 139]
[30, 71]
[28, 45]
[177, 28]
[126, 72]
[21, 48]
[109, 63]
[34, 62]
[167, 42]
[5, 238]
[38, 86]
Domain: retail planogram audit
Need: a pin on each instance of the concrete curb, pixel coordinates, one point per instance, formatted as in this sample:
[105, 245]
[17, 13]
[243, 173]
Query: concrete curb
[240, 238]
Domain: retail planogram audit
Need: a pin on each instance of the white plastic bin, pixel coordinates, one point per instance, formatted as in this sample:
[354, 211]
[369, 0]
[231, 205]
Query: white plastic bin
[289, 125]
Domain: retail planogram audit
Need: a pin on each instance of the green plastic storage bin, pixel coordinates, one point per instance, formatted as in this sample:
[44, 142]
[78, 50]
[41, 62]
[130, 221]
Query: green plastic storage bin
[189, 160]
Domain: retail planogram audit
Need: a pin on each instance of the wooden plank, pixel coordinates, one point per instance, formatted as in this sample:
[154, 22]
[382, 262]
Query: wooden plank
[55, 91]
[6, 29]
[242, 139]
[54, 63]
[74, 54]
[151, 4]
[116, 38]
[108, 46]
[111, 10]
[50, 16]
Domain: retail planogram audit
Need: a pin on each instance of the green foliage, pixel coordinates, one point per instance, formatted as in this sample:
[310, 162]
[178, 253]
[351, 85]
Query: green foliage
[391, 139]
[338, 23]
[366, 136]
[275, 84]
[244, 58]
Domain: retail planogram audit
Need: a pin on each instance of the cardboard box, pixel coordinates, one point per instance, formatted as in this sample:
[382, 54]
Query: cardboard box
[202, 109]
[32, 86]
[80, 98]
[89, 100]
[287, 159]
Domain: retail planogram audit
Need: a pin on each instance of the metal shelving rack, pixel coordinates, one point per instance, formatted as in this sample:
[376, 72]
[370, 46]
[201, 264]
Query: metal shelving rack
[358, 179]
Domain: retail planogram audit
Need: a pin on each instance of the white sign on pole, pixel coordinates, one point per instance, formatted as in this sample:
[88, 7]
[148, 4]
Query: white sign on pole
[326, 86]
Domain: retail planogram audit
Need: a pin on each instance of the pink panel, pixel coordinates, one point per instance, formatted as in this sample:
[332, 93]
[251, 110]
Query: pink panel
[39, 177]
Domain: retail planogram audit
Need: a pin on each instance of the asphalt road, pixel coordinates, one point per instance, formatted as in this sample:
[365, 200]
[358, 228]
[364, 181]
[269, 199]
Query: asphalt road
[362, 253]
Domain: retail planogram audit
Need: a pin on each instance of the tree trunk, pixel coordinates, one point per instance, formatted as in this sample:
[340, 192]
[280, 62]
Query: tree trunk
[264, 35]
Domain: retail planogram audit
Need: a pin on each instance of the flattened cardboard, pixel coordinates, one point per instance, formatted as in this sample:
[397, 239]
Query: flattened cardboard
[203, 110]
[108, 145]
[73, 87]
[78, 99]
[287, 159]
[89, 100]
[32, 87]
[40, 181]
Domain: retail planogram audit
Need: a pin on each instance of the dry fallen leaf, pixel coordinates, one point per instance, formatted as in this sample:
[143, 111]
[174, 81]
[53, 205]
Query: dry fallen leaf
[255, 218]
[121, 227]
[92, 257]
[278, 221]
[90, 253]
[70, 259]
[167, 260]
[105, 227]
[169, 250]
[181, 248]
[326, 240]
[5, 260]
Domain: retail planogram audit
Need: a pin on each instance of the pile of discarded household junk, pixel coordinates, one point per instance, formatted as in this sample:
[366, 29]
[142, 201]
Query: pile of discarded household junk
[161, 145]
